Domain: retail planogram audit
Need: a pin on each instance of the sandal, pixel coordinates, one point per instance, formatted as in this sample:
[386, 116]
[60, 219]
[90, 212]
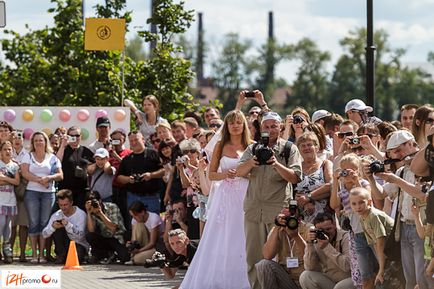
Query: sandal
[34, 260]
[22, 259]
[43, 260]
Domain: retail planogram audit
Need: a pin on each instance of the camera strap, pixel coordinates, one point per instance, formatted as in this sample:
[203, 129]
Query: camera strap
[96, 179]
[286, 151]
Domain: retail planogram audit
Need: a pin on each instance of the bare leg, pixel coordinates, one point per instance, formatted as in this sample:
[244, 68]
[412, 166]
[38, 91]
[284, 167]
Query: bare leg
[24, 234]
[34, 244]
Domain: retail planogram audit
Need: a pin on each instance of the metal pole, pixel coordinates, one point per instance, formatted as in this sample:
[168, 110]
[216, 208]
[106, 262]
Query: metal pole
[122, 77]
[370, 50]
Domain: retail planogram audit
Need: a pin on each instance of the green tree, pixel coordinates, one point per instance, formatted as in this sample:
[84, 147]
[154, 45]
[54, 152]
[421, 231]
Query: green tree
[230, 69]
[168, 72]
[394, 84]
[309, 90]
[135, 50]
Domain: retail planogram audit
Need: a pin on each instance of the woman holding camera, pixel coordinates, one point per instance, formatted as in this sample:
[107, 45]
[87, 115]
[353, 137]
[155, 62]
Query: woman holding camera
[220, 260]
[41, 168]
[295, 124]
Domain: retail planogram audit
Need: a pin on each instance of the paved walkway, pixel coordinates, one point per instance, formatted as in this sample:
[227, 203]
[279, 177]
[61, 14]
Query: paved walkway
[106, 276]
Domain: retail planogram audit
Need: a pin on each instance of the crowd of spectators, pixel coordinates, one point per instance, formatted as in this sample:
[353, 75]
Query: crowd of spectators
[333, 201]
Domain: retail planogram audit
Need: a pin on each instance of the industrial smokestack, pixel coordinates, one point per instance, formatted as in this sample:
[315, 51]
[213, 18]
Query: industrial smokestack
[199, 60]
[270, 25]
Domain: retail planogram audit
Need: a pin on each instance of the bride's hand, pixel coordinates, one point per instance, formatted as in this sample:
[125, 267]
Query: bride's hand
[232, 173]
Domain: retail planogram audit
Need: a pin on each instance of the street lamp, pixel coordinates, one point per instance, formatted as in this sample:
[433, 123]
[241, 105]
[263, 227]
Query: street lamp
[370, 51]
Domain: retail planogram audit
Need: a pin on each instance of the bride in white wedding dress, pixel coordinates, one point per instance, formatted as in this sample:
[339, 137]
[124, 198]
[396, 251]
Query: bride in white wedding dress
[220, 260]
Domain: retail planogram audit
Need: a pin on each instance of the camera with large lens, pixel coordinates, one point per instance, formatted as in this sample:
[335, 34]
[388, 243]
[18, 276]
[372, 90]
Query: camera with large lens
[94, 203]
[133, 246]
[320, 234]
[291, 221]
[157, 260]
[377, 167]
[262, 152]
[297, 119]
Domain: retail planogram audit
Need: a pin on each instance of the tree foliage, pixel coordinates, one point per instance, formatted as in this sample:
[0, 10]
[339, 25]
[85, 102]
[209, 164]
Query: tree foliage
[50, 66]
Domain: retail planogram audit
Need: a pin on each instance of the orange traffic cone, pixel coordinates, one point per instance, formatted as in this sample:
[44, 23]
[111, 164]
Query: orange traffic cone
[72, 258]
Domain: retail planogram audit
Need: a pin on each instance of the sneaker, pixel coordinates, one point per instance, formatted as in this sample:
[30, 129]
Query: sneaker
[110, 260]
[129, 263]
[34, 260]
[8, 254]
[43, 260]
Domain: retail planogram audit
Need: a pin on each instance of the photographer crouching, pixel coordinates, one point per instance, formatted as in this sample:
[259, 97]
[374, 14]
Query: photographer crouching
[327, 256]
[285, 245]
[183, 252]
[105, 230]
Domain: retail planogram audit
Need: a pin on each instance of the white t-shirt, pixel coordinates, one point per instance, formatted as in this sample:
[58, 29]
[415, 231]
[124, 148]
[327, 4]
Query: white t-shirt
[7, 193]
[48, 166]
[153, 221]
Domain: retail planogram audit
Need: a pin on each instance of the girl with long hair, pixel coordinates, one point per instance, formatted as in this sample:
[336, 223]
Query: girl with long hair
[220, 261]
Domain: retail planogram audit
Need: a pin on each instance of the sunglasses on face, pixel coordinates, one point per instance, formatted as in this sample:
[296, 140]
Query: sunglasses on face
[74, 135]
[345, 134]
[156, 140]
[253, 112]
[192, 151]
[429, 121]
[215, 125]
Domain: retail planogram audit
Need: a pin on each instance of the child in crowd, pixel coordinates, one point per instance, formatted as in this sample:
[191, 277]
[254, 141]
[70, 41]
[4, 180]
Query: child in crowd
[9, 177]
[344, 179]
[377, 226]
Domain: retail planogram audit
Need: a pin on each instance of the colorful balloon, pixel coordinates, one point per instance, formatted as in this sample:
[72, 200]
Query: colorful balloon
[83, 114]
[28, 115]
[84, 134]
[120, 114]
[46, 115]
[101, 113]
[27, 133]
[9, 115]
[64, 115]
[47, 131]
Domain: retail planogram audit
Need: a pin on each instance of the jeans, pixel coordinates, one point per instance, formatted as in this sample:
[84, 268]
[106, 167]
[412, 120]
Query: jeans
[412, 251]
[368, 265]
[38, 205]
[152, 202]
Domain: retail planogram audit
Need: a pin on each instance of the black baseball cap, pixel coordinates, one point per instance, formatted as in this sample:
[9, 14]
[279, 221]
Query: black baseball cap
[102, 121]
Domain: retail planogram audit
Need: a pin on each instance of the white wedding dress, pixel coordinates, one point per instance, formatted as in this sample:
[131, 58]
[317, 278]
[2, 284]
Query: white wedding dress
[220, 260]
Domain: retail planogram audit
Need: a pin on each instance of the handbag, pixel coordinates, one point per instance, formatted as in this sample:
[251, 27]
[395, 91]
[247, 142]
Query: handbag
[21, 189]
[392, 248]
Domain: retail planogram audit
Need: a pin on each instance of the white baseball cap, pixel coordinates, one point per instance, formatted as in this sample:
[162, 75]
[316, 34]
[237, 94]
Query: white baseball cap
[319, 114]
[102, 153]
[357, 104]
[397, 138]
[271, 115]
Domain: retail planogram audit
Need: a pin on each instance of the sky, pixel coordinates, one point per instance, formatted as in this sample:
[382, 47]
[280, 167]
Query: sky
[409, 23]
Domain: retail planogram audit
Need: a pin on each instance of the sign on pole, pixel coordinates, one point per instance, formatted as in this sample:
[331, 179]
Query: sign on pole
[2, 14]
[104, 34]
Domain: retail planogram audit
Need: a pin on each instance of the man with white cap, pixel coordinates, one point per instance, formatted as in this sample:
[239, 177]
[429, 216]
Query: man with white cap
[357, 111]
[102, 174]
[403, 184]
[270, 187]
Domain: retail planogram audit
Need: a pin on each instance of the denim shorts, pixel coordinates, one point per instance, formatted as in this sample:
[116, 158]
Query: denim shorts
[38, 205]
[366, 259]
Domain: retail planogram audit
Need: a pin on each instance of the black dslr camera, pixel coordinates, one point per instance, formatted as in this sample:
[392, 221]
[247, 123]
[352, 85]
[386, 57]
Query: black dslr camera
[376, 167]
[291, 221]
[297, 119]
[320, 234]
[133, 246]
[157, 260]
[137, 178]
[262, 152]
[94, 203]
